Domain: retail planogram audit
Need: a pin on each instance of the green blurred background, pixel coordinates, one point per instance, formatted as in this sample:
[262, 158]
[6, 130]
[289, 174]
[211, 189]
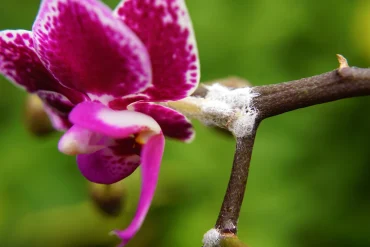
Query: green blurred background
[309, 181]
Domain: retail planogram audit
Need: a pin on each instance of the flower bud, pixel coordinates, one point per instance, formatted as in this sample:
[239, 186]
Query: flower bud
[36, 120]
[108, 198]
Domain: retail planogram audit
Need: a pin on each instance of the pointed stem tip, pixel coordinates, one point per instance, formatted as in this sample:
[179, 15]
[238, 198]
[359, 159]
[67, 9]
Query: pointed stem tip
[342, 61]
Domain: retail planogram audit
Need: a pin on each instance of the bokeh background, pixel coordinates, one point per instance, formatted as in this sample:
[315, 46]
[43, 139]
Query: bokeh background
[309, 181]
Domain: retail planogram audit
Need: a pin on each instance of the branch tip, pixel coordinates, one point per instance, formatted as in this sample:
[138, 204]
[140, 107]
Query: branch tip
[342, 61]
[272, 100]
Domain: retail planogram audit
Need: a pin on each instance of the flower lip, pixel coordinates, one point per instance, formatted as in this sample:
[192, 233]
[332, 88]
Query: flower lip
[95, 123]
[106, 166]
[78, 140]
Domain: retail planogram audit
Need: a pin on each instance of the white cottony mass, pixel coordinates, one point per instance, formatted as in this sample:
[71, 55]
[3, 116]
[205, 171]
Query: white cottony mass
[211, 238]
[237, 104]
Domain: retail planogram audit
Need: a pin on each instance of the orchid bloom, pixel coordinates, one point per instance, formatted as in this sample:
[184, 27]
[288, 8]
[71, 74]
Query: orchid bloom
[100, 73]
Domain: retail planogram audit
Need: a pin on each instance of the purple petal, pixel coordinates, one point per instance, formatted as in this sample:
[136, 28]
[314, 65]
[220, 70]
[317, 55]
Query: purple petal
[165, 28]
[58, 121]
[57, 101]
[173, 123]
[88, 49]
[122, 103]
[101, 159]
[111, 164]
[21, 65]
[58, 107]
[151, 157]
[116, 124]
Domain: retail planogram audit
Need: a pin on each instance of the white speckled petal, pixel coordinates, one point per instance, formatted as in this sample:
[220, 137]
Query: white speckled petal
[21, 65]
[165, 28]
[86, 48]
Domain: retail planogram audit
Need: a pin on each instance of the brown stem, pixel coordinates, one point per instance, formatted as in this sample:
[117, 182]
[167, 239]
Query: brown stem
[229, 214]
[338, 84]
[273, 100]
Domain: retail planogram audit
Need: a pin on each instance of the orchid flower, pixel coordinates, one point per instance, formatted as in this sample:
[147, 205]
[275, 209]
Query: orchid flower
[101, 74]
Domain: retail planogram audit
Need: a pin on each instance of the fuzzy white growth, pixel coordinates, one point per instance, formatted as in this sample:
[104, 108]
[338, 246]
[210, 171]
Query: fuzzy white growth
[234, 104]
[223, 107]
[211, 238]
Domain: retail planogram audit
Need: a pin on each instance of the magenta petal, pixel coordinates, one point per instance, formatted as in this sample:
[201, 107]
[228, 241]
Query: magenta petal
[107, 167]
[98, 118]
[165, 28]
[19, 62]
[88, 49]
[124, 102]
[101, 159]
[21, 65]
[173, 123]
[57, 101]
[151, 157]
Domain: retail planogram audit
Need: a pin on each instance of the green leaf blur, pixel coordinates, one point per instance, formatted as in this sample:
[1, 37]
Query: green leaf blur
[309, 181]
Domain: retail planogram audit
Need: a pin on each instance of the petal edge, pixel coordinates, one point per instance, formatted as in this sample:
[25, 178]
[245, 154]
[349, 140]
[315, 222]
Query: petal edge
[173, 124]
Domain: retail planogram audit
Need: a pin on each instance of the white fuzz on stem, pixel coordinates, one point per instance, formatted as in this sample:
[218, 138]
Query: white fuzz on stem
[227, 108]
[234, 103]
[212, 238]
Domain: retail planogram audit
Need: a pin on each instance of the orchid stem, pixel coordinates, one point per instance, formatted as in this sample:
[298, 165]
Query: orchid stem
[229, 214]
[344, 82]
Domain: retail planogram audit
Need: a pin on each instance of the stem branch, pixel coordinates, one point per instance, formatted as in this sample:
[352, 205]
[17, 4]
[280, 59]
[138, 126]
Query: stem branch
[229, 214]
[288, 96]
[273, 100]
